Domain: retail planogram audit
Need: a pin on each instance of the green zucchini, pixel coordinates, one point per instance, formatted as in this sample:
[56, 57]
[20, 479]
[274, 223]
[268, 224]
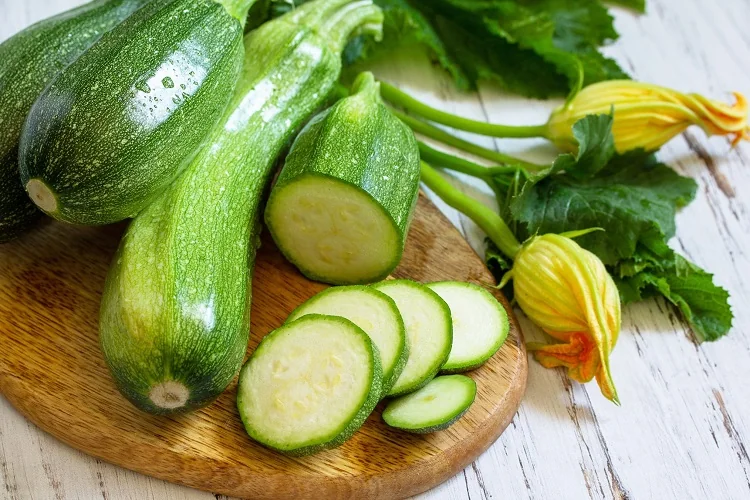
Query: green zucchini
[29, 60]
[375, 313]
[309, 385]
[175, 313]
[429, 330]
[120, 122]
[480, 324]
[434, 407]
[342, 205]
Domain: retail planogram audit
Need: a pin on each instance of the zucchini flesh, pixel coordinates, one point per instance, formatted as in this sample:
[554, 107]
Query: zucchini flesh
[480, 324]
[434, 407]
[343, 202]
[375, 313]
[429, 331]
[28, 61]
[309, 385]
[116, 126]
[175, 311]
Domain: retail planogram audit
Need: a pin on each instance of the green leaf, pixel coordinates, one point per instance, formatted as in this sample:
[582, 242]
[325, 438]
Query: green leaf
[637, 5]
[403, 27]
[703, 304]
[596, 146]
[634, 199]
[530, 47]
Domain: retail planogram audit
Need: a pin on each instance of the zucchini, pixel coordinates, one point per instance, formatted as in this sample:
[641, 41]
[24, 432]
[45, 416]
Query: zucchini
[342, 205]
[28, 61]
[175, 313]
[480, 324]
[375, 313]
[429, 331]
[120, 122]
[309, 385]
[434, 407]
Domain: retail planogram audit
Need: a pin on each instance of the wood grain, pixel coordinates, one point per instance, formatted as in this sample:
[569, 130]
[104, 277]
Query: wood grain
[52, 372]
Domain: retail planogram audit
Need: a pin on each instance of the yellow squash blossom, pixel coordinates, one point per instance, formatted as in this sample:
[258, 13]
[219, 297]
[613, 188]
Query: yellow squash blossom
[566, 290]
[647, 116]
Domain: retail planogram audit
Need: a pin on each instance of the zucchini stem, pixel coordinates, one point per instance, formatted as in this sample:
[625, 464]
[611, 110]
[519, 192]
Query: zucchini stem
[404, 100]
[488, 220]
[441, 135]
[353, 19]
[238, 8]
[446, 160]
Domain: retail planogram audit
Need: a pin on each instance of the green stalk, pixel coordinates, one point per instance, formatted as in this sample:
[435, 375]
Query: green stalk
[489, 221]
[237, 8]
[441, 135]
[430, 154]
[404, 100]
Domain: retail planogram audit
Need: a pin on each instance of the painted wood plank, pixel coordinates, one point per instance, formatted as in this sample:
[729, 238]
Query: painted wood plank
[685, 422]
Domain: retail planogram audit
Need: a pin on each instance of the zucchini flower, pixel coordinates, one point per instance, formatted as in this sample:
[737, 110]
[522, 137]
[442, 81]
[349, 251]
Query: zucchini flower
[561, 287]
[647, 116]
[566, 290]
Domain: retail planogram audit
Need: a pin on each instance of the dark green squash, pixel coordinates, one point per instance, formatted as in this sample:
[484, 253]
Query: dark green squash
[119, 124]
[29, 60]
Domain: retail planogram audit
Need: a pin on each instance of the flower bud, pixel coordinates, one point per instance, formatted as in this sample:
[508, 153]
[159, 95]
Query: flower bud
[647, 116]
[566, 291]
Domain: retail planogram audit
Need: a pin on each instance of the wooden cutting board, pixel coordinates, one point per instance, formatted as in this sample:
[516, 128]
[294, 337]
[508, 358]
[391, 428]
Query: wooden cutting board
[52, 371]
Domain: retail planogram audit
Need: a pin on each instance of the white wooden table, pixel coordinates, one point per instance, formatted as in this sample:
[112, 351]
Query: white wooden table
[683, 430]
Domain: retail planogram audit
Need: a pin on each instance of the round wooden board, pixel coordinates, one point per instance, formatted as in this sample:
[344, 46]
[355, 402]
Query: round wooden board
[52, 371]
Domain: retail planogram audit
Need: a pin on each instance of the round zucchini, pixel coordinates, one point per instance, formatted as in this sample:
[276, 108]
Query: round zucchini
[434, 407]
[480, 324]
[429, 330]
[375, 313]
[122, 120]
[29, 60]
[309, 385]
[343, 202]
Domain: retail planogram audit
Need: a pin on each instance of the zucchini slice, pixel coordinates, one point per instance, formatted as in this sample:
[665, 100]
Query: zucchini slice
[480, 324]
[429, 332]
[342, 205]
[434, 407]
[372, 311]
[309, 385]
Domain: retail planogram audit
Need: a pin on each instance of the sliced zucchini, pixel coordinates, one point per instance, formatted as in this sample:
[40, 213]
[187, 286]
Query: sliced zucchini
[480, 324]
[434, 407]
[309, 385]
[372, 311]
[343, 203]
[429, 332]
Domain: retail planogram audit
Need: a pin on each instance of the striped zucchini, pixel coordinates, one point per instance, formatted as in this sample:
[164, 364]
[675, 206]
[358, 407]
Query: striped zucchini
[29, 60]
[118, 124]
[343, 203]
[175, 313]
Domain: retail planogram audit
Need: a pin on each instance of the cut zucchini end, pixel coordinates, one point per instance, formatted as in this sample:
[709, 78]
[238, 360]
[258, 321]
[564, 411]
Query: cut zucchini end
[434, 407]
[333, 231]
[42, 195]
[427, 320]
[309, 385]
[374, 312]
[480, 324]
[169, 396]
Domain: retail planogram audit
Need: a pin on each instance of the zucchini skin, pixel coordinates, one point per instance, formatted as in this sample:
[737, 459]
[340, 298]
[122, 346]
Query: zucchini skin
[29, 60]
[119, 123]
[176, 304]
[360, 142]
